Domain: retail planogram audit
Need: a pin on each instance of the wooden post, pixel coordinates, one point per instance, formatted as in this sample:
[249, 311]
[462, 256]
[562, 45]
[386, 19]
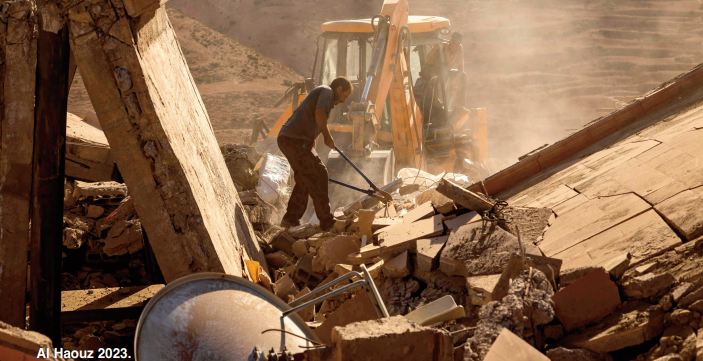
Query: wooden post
[18, 50]
[47, 185]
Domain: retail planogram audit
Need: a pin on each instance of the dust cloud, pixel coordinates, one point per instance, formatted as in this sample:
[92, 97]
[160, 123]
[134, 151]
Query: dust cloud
[541, 68]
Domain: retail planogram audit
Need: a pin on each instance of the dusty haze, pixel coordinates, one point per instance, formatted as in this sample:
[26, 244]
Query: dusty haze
[542, 68]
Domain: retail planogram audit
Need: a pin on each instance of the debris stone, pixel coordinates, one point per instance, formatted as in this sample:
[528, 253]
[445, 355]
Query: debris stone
[681, 290]
[691, 297]
[478, 249]
[397, 267]
[565, 354]
[508, 346]
[648, 285]
[621, 329]
[387, 338]
[481, 288]
[18, 344]
[527, 304]
[586, 300]
[358, 308]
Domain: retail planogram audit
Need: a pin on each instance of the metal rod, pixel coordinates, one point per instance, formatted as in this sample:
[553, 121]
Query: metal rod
[374, 290]
[365, 191]
[356, 168]
[331, 294]
[327, 285]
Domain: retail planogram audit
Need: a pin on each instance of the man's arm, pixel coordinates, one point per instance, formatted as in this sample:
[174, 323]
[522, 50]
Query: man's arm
[321, 121]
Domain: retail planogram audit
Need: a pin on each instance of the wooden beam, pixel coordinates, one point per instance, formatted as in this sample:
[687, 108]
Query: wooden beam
[464, 197]
[111, 303]
[47, 183]
[17, 81]
[161, 139]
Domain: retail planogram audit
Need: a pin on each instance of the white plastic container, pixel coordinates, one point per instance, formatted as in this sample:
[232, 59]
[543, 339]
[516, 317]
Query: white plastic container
[273, 178]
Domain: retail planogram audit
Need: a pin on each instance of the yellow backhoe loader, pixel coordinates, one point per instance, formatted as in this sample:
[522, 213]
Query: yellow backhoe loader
[408, 105]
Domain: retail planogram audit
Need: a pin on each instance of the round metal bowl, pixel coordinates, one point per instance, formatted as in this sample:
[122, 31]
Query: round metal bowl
[216, 317]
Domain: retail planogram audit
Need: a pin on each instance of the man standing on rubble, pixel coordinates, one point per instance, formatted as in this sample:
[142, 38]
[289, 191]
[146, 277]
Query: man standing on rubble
[296, 140]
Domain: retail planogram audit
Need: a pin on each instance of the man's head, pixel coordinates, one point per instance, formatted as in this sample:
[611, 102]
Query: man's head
[342, 89]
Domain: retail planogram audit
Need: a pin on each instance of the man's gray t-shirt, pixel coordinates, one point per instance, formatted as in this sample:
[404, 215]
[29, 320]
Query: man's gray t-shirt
[302, 125]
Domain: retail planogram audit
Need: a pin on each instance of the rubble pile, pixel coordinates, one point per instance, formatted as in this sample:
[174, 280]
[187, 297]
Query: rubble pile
[103, 239]
[428, 244]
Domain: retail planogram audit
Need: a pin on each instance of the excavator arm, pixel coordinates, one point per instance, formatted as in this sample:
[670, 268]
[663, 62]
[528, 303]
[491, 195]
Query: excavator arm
[388, 76]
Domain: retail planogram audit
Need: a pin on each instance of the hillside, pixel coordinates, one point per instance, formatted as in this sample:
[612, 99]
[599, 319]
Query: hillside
[237, 84]
[543, 68]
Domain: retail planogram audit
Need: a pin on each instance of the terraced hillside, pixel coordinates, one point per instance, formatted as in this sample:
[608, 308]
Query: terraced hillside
[543, 68]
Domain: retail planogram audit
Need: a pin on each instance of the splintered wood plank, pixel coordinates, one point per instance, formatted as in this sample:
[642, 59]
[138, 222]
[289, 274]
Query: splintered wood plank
[588, 219]
[18, 56]
[162, 139]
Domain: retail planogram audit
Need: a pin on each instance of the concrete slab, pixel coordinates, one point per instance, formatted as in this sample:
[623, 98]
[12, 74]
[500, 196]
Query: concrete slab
[683, 211]
[643, 236]
[592, 217]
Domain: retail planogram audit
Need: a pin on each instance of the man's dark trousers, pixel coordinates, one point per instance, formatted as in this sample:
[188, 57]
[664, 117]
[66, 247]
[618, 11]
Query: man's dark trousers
[310, 180]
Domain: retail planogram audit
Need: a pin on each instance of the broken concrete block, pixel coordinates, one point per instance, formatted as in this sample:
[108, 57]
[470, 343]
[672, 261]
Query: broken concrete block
[124, 237]
[565, 354]
[478, 249]
[422, 211]
[279, 259]
[691, 297]
[88, 155]
[442, 309]
[365, 222]
[620, 330]
[586, 300]
[681, 316]
[19, 345]
[696, 306]
[335, 250]
[427, 252]
[648, 285]
[481, 288]
[441, 203]
[509, 346]
[617, 266]
[162, 140]
[308, 313]
[342, 269]
[285, 287]
[388, 338]
[569, 276]
[300, 248]
[397, 267]
[681, 290]
[135, 8]
[358, 308]
[306, 230]
[375, 269]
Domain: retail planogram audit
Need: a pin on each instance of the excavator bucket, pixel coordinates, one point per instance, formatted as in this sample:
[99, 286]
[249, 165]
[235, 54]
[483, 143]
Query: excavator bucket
[378, 166]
